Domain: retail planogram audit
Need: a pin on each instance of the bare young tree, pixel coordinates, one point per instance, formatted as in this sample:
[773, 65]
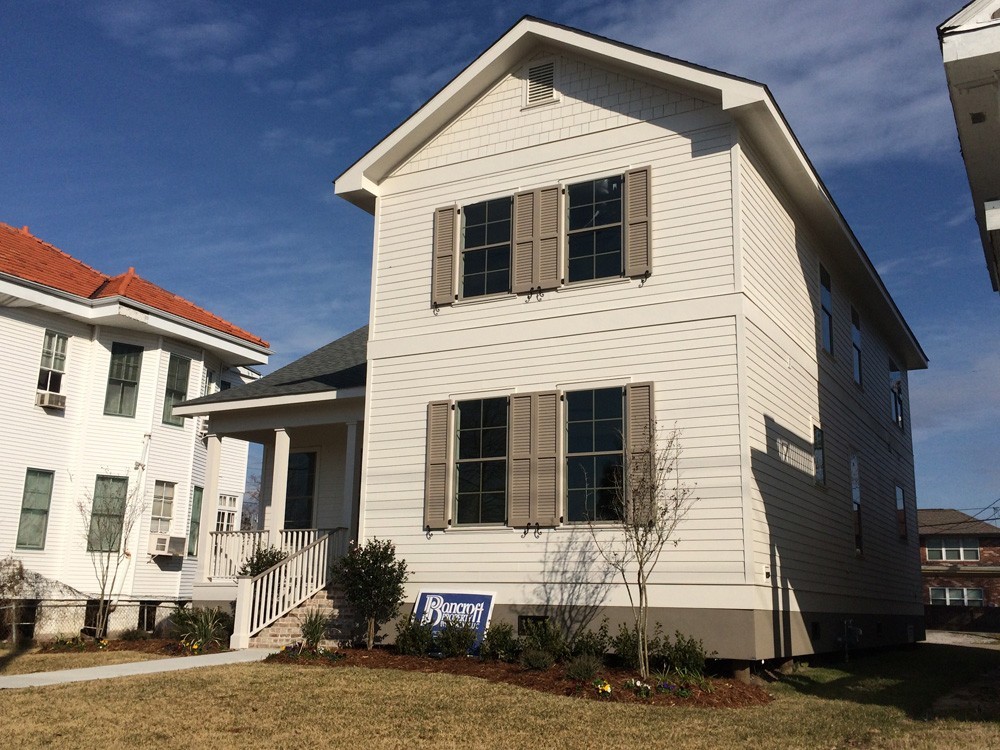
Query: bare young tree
[251, 504]
[650, 500]
[109, 517]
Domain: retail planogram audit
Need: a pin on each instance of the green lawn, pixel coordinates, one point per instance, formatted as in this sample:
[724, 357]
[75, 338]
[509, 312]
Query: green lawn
[873, 702]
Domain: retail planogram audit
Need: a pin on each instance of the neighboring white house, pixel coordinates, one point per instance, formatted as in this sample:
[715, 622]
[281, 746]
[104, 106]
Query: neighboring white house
[970, 47]
[574, 239]
[92, 367]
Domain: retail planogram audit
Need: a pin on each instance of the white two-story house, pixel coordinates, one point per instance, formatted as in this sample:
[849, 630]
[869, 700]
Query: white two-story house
[575, 240]
[92, 368]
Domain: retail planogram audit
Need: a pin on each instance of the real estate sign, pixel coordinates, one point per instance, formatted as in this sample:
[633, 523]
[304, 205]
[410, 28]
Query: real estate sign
[439, 607]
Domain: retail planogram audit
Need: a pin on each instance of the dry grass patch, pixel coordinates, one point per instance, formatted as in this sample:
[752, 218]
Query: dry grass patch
[874, 702]
[31, 661]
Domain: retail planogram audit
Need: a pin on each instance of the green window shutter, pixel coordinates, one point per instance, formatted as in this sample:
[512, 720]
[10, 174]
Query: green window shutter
[547, 275]
[436, 473]
[533, 461]
[525, 239]
[443, 269]
[638, 246]
[640, 432]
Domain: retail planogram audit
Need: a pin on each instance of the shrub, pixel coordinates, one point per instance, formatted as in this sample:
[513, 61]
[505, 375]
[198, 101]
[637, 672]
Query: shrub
[626, 645]
[456, 639]
[584, 668]
[500, 643]
[536, 658]
[545, 635]
[373, 582]
[261, 559]
[412, 638]
[314, 629]
[685, 656]
[135, 634]
[592, 642]
[201, 628]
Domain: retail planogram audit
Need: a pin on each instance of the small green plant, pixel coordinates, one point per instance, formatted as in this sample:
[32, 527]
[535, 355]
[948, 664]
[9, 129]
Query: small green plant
[373, 581]
[592, 642]
[412, 638]
[640, 688]
[603, 687]
[584, 667]
[500, 643]
[455, 639]
[199, 629]
[545, 636]
[537, 659]
[313, 628]
[260, 560]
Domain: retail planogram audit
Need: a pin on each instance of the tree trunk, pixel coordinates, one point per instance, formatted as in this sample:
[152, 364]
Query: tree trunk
[371, 633]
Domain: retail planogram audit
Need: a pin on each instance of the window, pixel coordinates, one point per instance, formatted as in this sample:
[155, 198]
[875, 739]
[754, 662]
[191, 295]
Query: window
[207, 385]
[147, 616]
[901, 511]
[486, 248]
[594, 454]
[856, 500]
[896, 394]
[35, 509]
[952, 548]
[123, 380]
[299, 490]
[826, 310]
[856, 344]
[225, 516]
[481, 461]
[53, 364]
[194, 530]
[955, 596]
[108, 514]
[819, 457]
[176, 391]
[163, 507]
[595, 229]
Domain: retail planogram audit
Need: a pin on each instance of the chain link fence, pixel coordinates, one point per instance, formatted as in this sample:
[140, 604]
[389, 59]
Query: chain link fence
[48, 619]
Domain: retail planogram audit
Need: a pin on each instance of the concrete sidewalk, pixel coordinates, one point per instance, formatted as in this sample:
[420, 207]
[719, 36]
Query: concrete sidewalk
[40, 679]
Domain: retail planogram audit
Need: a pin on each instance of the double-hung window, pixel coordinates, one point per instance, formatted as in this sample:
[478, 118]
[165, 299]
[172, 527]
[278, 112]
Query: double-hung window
[108, 514]
[53, 364]
[856, 344]
[856, 501]
[481, 461]
[300, 489]
[178, 370]
[486, 248]
[225, 515]
[956, 596]
[896, 394]
[952, 548]
[594, 230]
[595, 428]
[819, 457]
[901, 511]
[123, 380]
[35, 509]
[163, 507]
[826, 310]
[194, 531]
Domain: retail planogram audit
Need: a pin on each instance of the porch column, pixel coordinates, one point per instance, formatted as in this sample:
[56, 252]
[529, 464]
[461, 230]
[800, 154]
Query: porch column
[275, 520]
[209, 507]
[350, 470]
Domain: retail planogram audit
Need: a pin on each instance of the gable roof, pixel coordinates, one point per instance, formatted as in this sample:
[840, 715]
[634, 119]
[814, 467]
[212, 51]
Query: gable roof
[339, 365]
[749, 103]
[950, 522]
[26, 257]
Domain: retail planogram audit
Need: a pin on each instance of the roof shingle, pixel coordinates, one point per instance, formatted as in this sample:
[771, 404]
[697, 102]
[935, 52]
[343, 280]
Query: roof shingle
[950, 522]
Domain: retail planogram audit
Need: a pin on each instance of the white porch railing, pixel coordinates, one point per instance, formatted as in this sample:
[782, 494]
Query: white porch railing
[275, 592]
[230, 549]
[292, 540]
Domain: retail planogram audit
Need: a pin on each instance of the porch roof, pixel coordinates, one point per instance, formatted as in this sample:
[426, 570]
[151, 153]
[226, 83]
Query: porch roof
[339, 365]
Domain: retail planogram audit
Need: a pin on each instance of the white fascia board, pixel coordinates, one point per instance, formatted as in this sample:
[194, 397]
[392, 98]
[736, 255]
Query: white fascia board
[260, 403]
[991, 214]
[359, 184]
[105, 310]
[962, 44]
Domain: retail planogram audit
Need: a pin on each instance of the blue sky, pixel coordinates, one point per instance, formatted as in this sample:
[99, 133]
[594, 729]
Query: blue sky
[198, 142]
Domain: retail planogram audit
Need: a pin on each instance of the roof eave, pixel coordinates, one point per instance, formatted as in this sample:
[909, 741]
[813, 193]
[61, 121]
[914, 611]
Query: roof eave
[204, 406]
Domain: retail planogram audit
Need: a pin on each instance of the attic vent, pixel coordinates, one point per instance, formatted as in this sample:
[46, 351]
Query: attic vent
[540, 82]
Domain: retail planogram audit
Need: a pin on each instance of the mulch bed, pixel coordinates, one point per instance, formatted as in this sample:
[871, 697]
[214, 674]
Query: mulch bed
[163, 646]
[724, 693]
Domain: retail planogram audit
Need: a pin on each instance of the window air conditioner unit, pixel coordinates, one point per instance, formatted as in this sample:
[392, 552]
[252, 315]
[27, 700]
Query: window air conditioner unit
[203, 429]
[50, 400]
[167, 546]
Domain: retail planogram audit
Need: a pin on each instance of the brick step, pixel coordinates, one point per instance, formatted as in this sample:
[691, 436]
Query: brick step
[288, 629]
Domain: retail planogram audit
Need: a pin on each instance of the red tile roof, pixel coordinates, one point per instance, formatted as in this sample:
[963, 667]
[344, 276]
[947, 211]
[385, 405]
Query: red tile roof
[25, 256]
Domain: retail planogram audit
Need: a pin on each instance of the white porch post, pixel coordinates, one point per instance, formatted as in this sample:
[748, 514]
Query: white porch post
[209, 507]
[350, 470]
[275, 520]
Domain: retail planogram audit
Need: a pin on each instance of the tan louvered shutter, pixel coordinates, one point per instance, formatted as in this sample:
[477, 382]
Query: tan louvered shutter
[638, 245]
[437, 507]
[443, 271]
[547, 267]
[640, 435]
[525, 239]
[533, 462]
